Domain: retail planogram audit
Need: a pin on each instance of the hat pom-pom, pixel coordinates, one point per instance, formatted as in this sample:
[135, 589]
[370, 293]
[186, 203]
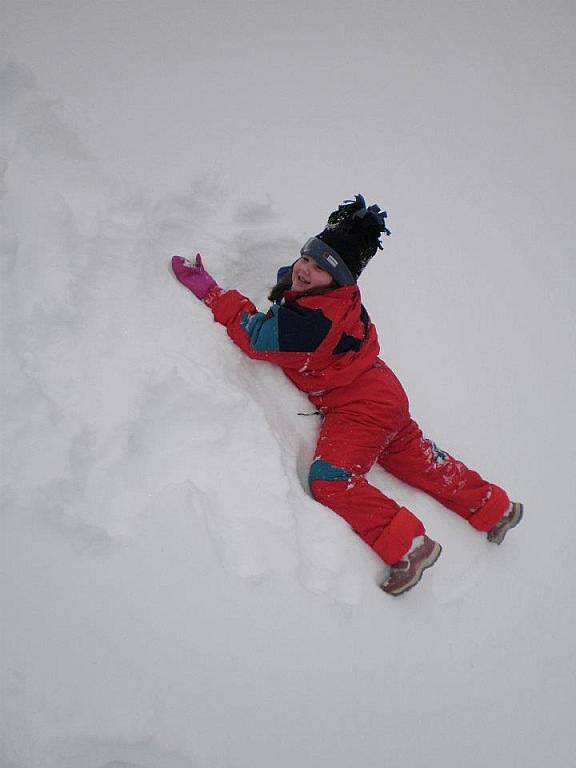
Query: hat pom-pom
[354, 230]
[352, 213]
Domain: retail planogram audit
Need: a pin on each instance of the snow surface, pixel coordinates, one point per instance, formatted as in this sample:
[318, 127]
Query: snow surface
[172, 597]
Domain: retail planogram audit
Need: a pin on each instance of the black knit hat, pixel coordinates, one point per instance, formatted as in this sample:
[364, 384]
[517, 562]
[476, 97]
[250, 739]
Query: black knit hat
[353, 231]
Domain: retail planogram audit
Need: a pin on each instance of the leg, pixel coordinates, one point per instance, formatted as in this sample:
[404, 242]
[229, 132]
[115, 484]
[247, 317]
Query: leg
[419, 462]
[347, 448]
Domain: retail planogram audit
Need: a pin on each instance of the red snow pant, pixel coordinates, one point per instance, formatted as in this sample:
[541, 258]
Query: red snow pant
[356, 435]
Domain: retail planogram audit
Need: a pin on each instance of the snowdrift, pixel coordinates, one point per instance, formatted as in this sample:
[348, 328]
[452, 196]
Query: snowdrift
[173, 597]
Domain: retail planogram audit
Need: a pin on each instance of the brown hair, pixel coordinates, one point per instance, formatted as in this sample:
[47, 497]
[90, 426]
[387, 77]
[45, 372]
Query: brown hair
[285, 283]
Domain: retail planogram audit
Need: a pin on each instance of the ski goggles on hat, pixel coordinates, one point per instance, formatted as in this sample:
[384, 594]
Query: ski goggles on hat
[328, 259]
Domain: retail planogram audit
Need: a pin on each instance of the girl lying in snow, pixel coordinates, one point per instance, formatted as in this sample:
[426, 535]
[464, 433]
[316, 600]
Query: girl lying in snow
[321, 336]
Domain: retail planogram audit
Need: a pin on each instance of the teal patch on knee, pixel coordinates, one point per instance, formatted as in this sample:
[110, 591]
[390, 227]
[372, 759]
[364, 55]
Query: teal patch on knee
[440, 456]
[323, 470]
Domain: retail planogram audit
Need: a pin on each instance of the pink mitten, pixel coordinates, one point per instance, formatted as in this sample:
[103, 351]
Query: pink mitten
[193, 276]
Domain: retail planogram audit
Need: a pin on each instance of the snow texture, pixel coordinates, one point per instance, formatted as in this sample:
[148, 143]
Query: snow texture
[172, 597]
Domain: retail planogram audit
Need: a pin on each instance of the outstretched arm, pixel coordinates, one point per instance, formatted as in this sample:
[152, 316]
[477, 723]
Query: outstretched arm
[193, 276]
[284, 335]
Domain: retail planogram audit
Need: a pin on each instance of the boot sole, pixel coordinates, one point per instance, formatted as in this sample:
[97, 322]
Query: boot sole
[516, 517]
[428, 563]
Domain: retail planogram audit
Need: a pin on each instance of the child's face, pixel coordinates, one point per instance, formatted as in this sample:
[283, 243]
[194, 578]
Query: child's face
[306, 274]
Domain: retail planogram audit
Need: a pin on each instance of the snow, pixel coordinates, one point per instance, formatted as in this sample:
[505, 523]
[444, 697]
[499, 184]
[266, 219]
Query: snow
[172, 597]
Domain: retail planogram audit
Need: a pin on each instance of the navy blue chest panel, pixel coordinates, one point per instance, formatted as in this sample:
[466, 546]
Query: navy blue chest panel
[301, 329]
[348, 343]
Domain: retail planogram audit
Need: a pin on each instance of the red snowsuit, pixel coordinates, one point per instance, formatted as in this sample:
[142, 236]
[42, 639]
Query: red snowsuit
[327, 345]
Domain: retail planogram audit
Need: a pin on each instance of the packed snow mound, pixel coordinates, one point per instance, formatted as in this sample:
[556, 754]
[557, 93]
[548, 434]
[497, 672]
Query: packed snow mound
[173, 596]
[131, 388]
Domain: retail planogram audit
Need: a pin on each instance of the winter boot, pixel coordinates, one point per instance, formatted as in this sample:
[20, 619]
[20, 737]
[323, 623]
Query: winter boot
[407, 572]
[509, 519]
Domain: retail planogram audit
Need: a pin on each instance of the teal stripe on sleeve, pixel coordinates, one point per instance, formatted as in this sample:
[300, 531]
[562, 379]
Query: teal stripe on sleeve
[262, 330]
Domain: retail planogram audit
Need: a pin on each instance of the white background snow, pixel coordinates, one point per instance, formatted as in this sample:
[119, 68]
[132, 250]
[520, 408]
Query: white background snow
[172, 597]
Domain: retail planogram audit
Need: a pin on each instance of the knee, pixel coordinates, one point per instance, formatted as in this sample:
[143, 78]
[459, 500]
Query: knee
[321, 476]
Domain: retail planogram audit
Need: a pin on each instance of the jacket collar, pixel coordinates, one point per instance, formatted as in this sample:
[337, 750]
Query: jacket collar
[344, 293]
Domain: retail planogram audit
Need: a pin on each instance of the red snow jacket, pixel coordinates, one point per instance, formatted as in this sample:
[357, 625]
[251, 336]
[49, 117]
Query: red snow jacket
[325, 343]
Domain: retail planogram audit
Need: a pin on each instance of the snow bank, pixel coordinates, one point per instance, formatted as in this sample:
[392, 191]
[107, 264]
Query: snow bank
[173, 597]
[129, 386]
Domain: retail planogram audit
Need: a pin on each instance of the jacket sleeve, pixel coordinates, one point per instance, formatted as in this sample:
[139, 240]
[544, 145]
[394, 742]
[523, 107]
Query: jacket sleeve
[285, 335]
